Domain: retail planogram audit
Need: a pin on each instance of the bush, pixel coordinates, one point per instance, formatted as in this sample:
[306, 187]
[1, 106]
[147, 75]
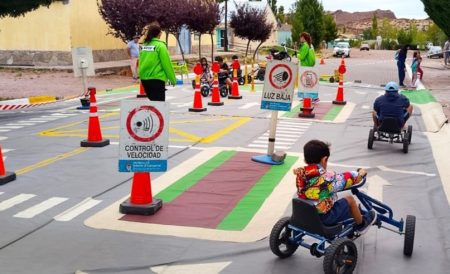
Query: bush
[389, 44]
[354, 43]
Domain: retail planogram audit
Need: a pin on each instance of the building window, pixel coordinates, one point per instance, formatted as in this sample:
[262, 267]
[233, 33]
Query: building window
[196, 37]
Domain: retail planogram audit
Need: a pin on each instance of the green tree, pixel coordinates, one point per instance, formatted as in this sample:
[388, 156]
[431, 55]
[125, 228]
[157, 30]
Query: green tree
[435, 35]
[404, 37]
[273, 6]
[439, 11]
[329, 27]
[20, 7]
[308, 16]
[374, 28]
[387, 31]
[367, 34]
[280, 14]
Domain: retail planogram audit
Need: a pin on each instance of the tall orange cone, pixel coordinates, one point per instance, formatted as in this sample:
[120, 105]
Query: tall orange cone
[141, 200]
[340, 94]
[235, 84]
[215, 98]
[307, 109]
[5, 176]
[94, 132]
[198, 104]
[142, 93]
[342, 61]
[322, 62]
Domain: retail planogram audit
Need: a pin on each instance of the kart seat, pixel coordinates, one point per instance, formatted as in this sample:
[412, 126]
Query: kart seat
[305, 217]
[390, 125]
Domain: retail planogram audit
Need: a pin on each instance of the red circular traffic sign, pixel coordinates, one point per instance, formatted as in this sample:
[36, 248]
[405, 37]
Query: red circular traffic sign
[342, 69]
[198, 69]
[145, 124]
[282, 78]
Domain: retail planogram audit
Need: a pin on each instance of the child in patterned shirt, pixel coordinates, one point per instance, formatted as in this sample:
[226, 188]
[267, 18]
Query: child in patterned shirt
[316, 183]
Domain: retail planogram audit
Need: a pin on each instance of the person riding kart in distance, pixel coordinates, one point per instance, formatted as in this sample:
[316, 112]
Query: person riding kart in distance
[206, 75]
[223, 72]
[391, 104]
[319, 185]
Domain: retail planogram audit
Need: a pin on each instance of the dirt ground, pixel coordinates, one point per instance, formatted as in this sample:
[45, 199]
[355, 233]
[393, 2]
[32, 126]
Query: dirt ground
[21, 83]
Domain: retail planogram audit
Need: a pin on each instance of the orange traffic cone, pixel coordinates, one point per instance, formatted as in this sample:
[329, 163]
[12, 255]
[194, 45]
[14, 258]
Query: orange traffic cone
[235, 85]
[5, 176]
[198, 104]
[340, 94]
[141, 201]
[342, 61]
[94, 132]
[307, 109]
[142, 93]
[322, 62]
[215, 98]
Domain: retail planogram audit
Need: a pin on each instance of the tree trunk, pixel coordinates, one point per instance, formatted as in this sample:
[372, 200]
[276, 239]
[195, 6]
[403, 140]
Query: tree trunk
[246, 51]
[167, 39]
[177, 35]
[225, 46]
[212, 47]
[199, 46]
[256, 50]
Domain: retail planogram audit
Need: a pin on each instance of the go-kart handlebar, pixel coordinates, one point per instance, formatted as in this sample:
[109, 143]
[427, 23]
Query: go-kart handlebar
[360, 184]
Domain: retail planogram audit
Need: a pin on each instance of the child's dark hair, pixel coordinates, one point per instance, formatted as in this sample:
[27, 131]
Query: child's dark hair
[218, 59]
[153, 31]
[234, 57]
[315, 150]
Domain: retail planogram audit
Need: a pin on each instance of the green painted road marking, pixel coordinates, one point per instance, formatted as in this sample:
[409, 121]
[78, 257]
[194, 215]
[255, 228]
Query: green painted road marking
[247, 207]
[258, 87]
[294, 112]
[180, 186]
[422, 96]
[332, 113]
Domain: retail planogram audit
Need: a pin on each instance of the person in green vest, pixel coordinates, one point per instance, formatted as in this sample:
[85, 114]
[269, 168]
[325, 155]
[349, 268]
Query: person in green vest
[306, 54]
[155, 67]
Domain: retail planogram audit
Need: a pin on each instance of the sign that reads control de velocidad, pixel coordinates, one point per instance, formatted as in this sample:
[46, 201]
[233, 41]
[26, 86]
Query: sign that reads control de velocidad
[144, 136]
[279, 84]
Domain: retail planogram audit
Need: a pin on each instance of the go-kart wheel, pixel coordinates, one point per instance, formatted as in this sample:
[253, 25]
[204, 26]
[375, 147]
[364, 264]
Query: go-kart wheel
[331, 79]
[241, 81]
[340, 257]
[279, 239]
[409, 133]
[410, 228]
[313, 250]
[405, 142]
[223, 91]
[370, 141]
[204, 91]
[249, 79]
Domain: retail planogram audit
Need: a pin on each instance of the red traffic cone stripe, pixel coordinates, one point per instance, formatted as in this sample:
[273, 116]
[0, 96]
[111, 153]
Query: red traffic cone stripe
[340, 94]
[197, 104]
[215, 98]
[94, 132]
[307, 109]
[141, 190]
[2, 165]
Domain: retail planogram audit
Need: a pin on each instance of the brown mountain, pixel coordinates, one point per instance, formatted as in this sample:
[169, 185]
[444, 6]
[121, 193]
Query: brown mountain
[343, 17]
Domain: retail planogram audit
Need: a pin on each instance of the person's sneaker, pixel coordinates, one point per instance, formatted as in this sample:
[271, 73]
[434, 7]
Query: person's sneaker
[368, 219]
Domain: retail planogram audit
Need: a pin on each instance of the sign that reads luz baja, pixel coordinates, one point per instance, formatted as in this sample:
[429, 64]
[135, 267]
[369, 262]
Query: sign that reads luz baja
[278, 88]
[144, 136]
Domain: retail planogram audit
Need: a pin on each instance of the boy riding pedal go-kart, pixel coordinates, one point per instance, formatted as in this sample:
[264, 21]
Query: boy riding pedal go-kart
[327, 226]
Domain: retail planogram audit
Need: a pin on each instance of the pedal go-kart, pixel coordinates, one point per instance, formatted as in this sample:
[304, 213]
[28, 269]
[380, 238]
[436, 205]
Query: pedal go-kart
[206, 88]
[389, 131]
[335, 243]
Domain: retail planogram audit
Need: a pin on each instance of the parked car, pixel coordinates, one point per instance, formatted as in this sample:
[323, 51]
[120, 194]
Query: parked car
[435, 51]
[364, 47]
[342, 49]
[429, 45]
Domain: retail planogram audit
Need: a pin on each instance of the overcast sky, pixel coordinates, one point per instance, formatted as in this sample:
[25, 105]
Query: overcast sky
[401, 8]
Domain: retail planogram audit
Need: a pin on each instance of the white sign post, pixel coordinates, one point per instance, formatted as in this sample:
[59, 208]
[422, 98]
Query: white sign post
[278, 92]
[308, 83]
[144, 136]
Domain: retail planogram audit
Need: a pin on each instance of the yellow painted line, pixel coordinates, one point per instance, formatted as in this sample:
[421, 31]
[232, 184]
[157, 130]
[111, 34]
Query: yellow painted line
[190, 137]
[41, 99]
[224, 118]
[226, 130]
[51, 160]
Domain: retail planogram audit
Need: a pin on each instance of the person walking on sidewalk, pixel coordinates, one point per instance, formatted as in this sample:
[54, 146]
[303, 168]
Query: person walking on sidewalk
[447, 51]
[419, 67]
[133, 53]
[401, 58]
[155, 66]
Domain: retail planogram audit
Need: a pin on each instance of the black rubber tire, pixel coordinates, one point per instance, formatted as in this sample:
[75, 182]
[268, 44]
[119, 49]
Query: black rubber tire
[410, 229]
[409, 133]
[204, 90]
[340, 250]
[249, 79]
[405, 142]
[223, 91]
[241, 81]
[279, 236]
[370, 140]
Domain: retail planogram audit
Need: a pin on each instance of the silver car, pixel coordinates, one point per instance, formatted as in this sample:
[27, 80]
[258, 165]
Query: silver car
[342, 49]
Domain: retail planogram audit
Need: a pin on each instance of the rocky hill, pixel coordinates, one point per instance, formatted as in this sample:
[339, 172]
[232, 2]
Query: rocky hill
[343, 17]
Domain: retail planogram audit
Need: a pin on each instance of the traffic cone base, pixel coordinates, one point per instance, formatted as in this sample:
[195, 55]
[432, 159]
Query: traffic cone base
[339, 102]
[101, 143]
[215, 103]
[126, 207]
[8, 177]
[307, 109]
[141, 96]
[234, 97]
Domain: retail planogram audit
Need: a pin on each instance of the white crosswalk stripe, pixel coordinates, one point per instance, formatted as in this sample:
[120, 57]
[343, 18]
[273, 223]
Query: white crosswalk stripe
[41, 207]
[15, 201]
[286, 135]
[77, 210]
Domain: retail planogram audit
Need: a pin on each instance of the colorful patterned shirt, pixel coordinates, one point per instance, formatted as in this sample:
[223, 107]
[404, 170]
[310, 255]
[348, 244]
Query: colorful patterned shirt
[319, 185]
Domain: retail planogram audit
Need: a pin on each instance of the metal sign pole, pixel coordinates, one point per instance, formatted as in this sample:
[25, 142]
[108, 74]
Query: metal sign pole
[272, 132]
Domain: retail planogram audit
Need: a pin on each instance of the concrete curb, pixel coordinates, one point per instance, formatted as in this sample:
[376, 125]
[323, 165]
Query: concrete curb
[33, 101]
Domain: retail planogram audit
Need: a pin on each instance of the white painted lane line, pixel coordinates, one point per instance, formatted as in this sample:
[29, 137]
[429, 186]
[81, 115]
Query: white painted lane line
[114, 143]
[289, 131]
[294, 124]
[10, 127]
[4, 150]
[41, 207]
[3, 138]
[15, 200]
[5, 130]
[293, 135]
[38, 120]
[63, 114]
[279, 138]
[249, 105]
[190, 268]
[77, 209]
[1, 193]
[170, 146]
[365, 107]
[265, 146]
[276, 142]
[23, 124]
[383, 168]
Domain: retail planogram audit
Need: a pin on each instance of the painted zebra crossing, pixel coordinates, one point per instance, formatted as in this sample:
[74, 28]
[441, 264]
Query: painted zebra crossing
[287, 134]
[40, 206]
[33, 121]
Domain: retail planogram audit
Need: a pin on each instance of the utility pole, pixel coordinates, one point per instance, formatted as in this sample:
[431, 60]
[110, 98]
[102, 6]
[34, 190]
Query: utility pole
[225, 42]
